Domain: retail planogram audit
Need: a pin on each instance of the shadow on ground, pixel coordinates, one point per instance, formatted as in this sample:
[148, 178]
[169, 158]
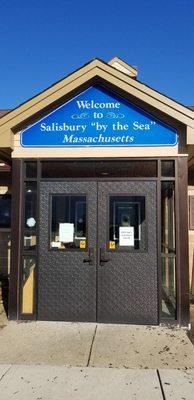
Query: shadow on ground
[191, 334]
[4, 293]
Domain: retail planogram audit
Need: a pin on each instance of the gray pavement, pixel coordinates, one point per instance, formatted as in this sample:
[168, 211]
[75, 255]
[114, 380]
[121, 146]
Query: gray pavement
[60, 360]
[101, 345]
[69, 383]
[131, 346]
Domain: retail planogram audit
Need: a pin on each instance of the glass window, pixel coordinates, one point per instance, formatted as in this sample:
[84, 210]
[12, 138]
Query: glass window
[168, 217]
[126, 169]
[73, 169]
[31, 169]
[127, 226]
[168, 288]
[27, 305]
[168, 168]
[5, 211]
[191, 212]
[67, 169]
[68, 222]
[30, 219]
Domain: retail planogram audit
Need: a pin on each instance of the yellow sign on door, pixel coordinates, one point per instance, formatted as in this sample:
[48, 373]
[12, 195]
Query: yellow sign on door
[112, 245]
[82, 244]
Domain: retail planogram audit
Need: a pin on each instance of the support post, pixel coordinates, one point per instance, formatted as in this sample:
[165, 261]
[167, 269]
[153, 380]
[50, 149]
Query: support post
[182, 250]
[16, 222]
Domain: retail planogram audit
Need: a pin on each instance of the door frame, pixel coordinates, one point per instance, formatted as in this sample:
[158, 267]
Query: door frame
[181, 225]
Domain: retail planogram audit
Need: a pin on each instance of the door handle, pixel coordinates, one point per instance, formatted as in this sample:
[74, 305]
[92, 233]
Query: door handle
[90, 259]
[103, 258]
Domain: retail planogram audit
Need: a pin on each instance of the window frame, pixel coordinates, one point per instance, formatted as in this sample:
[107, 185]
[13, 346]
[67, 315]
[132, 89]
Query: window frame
[50, 223]
[126, 249]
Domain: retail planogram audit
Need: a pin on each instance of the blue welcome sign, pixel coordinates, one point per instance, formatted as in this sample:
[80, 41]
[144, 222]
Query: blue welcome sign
[97, 117]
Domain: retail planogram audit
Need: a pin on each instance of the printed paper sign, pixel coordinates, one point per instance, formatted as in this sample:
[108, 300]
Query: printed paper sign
[126, 236]
[30, 222]
[56, 244]
[66, 232]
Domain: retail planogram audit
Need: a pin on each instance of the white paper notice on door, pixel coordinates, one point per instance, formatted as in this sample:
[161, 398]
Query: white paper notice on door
[66, 232]
[126, 236]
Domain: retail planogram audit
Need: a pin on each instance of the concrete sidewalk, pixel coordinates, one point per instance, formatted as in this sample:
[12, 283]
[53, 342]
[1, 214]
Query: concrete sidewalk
[69, 383]
[96, 345]
[60, 360]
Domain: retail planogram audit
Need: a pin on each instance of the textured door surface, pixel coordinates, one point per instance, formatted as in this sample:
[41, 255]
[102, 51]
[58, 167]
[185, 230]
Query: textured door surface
[67, 284]
[126, 278]
[128, 283]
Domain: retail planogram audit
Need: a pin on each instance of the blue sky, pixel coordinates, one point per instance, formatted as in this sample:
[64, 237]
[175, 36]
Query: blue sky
[41, 41]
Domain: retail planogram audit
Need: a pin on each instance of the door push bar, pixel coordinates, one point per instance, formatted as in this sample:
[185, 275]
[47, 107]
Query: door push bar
[103, 258]
[90, 259]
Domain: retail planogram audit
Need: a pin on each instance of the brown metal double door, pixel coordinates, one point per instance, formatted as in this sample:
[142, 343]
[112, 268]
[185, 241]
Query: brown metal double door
[98, 252]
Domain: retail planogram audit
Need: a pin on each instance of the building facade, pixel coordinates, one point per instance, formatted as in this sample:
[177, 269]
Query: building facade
[99, 165]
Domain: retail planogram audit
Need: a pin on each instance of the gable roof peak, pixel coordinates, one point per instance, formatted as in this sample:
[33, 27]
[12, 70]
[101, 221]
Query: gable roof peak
[122, 66]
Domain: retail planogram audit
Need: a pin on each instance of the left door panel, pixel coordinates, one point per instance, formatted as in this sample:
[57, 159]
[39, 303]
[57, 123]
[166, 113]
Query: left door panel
[67, 251]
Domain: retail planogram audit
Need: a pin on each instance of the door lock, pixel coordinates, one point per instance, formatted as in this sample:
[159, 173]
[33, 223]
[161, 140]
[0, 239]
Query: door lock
[103, 258]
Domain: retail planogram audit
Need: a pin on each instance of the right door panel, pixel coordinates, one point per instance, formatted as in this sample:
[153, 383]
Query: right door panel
[127, 242]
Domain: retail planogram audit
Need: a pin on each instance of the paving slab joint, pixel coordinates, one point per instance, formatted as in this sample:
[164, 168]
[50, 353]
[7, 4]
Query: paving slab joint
[5, 373]
[161, 387]
[91, 347]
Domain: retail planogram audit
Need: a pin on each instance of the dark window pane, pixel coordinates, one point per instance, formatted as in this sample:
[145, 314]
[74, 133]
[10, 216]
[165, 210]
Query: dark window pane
[5, 211]
[70, 169]
[168, 217]
[127, 226]
[126, 169]
[191, 175]
[73, 169]
[168, 168]
[68, 222]
[30, 216]
[31, 169]
[168, 288]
